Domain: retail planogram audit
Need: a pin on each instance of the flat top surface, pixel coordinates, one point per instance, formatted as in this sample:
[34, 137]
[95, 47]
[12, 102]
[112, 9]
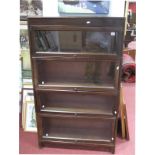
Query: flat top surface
[79, 21]
[76, 17]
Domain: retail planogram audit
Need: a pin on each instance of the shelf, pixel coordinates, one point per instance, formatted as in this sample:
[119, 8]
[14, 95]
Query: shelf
[75, 134]
[76, 86]
[48, 55]
[107, 111]
[77, 73]
[77, 54]
[77, 129]
[77, 103]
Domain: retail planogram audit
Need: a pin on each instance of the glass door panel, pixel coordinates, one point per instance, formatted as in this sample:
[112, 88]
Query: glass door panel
[75, 41]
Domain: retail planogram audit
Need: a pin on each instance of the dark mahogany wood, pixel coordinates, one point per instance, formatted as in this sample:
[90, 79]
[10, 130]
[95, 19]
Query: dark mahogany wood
[76, 80]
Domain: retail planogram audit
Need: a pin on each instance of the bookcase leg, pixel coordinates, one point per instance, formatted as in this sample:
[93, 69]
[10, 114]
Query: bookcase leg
[113, 150]
[40, 145]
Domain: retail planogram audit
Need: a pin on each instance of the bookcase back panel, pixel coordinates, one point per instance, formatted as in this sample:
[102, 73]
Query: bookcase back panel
[77, 103]
[84, 128]
[79, 72]
[77, 41]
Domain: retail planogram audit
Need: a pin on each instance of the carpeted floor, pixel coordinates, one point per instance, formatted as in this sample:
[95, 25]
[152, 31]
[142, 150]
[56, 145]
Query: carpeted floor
[28, 141]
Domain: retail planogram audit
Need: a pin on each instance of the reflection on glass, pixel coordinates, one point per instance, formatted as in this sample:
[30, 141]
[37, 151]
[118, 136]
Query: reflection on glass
[100, 41]
[94, 72]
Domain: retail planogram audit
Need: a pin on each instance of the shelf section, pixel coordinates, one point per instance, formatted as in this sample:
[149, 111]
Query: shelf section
[75, 134]
[76, 103]
[78, 73]
[84, 129]
[78, 41]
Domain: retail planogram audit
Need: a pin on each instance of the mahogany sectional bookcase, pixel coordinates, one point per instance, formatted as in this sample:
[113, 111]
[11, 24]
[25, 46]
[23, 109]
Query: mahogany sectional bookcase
[76, 67]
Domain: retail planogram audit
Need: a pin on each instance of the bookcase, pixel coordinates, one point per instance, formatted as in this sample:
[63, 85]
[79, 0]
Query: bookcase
[76, 68]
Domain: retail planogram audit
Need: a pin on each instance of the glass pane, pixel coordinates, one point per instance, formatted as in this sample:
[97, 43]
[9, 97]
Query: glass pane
[75, 41]
[45, 41]
[88, 73]
[55, 41]
[70, 40]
